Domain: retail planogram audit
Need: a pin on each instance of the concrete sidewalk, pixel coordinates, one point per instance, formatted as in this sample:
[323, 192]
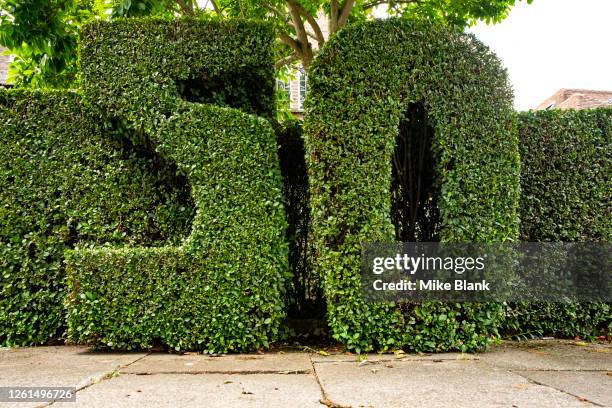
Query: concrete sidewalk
[545, 373]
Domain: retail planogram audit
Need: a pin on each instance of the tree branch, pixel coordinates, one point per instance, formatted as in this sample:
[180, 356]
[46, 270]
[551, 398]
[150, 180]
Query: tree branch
[278, 14]
[186, 7]
[312, 22]
[333, 16]
[298, 24]
[344, 14]
[302, 37]
[286, 61]
[215, 7]
[312, 35]
[373, 4]
[286, 39]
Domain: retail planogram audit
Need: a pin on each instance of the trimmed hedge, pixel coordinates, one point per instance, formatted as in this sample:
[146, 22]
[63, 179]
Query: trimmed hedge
[139, 69]
[565, 178]
[64, 182]
[361, 84]
[566, 196]
[223, 288]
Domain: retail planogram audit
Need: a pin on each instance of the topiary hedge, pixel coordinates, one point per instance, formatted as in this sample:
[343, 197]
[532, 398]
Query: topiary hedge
[63, 182]
[383, 87]
[223, 288]
[565, 182]
[138, 70]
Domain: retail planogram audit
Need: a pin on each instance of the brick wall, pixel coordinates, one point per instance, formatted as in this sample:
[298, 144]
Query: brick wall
[294, 85]
[5, 60]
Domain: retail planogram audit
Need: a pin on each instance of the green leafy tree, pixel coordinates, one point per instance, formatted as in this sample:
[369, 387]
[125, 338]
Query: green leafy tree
[43, 33]
[42, 36]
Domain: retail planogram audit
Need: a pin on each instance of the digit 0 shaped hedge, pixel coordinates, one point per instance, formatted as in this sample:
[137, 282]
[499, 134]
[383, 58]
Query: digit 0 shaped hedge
[221, 289]
[565, 196]
[380, 91]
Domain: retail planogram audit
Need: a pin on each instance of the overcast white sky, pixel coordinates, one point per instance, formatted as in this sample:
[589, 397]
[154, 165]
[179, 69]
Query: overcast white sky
[553, 44]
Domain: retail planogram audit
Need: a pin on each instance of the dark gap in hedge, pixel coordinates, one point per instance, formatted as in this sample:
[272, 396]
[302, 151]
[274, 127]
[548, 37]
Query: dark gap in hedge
[239, 90]
[414, 190]
[305, 299]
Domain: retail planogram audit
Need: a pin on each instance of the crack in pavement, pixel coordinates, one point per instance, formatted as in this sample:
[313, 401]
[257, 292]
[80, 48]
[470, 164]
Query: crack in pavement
[582, 399]
[99, 379]
[324, 400]
[229, 372]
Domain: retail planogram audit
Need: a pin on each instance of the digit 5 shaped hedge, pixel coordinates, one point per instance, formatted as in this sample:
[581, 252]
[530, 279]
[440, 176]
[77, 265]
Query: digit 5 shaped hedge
[222, 288]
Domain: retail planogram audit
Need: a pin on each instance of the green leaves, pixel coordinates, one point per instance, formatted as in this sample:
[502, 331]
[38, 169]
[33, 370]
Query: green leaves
[565, 196]
[565, 168]
[222, 289]
[66, 182]
[43, 37]
[43, 34]
[361, 84]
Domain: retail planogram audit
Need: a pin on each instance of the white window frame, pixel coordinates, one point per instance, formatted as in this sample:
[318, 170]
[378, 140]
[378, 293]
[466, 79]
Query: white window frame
[302, 76]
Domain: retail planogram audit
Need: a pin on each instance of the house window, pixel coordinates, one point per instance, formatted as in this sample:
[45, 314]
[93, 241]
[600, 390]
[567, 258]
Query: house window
[303, 88]
[285, 87]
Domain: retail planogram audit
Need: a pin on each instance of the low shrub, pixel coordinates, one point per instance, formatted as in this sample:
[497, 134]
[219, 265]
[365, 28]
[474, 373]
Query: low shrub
[566, 196]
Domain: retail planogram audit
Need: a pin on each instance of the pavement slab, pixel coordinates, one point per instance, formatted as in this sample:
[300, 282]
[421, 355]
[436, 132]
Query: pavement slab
[390, 357]
[526, 374]
[543, 355]
[210, 390]
[457, 384]
[57, 366]
[594, 386]
[193, 363]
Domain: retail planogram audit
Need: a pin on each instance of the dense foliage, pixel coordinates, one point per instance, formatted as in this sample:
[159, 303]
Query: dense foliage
[566, 158]
[366, 82]
[300, 31]
[64, 182]
[223, 288]
[565, 184]
[43, 34]
[139, 70]
[162, 185]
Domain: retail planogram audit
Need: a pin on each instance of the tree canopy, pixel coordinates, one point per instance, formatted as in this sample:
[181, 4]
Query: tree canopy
[42, 34]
